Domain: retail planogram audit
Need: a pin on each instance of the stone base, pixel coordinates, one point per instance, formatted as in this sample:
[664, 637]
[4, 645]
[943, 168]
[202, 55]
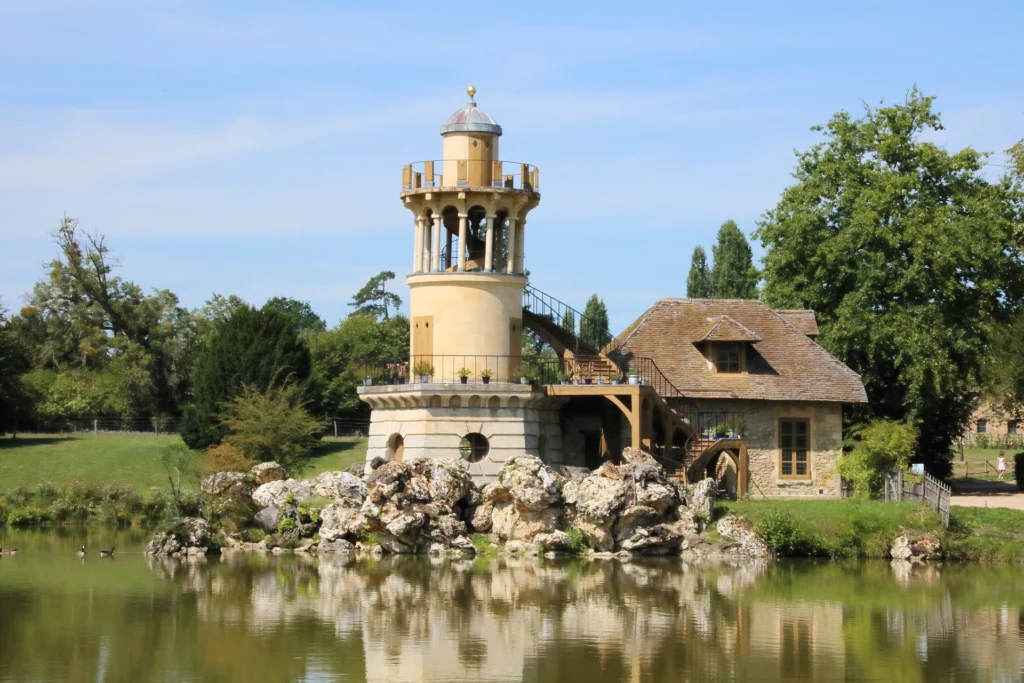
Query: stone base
[431, 420]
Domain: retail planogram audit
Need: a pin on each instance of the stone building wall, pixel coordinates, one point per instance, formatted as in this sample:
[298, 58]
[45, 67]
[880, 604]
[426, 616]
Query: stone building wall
[761, 433]
[992, 427]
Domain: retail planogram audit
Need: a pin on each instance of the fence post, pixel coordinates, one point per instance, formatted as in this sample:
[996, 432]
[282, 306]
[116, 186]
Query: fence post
[95, 428]
[335, 429]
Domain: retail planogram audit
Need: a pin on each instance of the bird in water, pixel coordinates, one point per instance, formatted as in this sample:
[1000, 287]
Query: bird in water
[12, 551]
[81, 551]
[107, 553]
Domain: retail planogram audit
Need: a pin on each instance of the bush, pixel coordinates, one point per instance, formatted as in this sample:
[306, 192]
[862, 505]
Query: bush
[577, 543]
[1018, 470]
[780, 532]
[271, 425]
[877, 448]
[285, 525]
[225, 458]
[253, 535]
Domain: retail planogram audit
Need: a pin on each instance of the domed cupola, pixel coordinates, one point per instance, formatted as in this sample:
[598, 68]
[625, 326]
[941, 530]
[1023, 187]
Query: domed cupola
[471, 119]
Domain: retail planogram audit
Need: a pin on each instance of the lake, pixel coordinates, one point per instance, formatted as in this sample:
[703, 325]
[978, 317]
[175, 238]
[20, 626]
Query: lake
[296, 618]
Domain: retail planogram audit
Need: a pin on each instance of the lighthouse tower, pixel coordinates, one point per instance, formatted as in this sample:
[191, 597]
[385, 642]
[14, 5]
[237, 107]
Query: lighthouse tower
[465, 391]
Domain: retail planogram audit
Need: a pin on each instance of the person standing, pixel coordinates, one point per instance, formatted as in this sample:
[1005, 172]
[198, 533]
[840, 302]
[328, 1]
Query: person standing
[1001, 465]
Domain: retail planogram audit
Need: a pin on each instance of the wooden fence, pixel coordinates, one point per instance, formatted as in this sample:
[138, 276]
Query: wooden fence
[973, 468]
[928, 490]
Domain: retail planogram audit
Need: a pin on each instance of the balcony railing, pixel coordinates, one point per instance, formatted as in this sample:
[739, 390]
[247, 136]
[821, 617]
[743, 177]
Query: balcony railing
[470, 173]
[464, 369]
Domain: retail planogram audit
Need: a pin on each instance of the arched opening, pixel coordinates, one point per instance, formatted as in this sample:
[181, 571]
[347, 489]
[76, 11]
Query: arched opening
[395, 448]
[449, 250]
[494, 403]
[474, 447]
[726, 472]
[455, 402]
[435, 402]
[476, 237]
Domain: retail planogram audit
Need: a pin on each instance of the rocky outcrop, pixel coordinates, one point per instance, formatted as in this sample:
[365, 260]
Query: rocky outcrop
[266, 472]
[915, 547]
[701, 498]
[184, 536]
[227, 483]
[282, 492]
[340, 486]
[741, 532]
[524, 501]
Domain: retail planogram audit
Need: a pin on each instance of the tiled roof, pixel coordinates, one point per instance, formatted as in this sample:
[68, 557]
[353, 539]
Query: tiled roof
[725, 329]
[783, 365]
[802, 319]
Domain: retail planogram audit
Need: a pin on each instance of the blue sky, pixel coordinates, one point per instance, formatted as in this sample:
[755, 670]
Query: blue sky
[256, 148]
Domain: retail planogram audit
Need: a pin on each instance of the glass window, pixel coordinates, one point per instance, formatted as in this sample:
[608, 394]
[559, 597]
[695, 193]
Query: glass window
[982, 426]
[1011, 427]
[794, 449]
[727, 357]
[474, 447]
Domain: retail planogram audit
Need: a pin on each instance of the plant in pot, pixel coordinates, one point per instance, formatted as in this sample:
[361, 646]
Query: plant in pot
[526, 374]
[616, 378]
[463, 375]
[733, 428]
[634, 376]
[564, 377]
[586, 370]
[720, 431]
[485, 375]
[424, 370]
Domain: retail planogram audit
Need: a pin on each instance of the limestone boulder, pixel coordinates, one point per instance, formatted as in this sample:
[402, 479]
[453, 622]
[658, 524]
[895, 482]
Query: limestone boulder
[448, 480]
[702, 496]
[557, 541]
[659, 539]
[481, 520]
[268, 518]
[184, 536]
[598, 536]
[227, 483]
[283, 492]
[633, 518]
[339, 521]
[741, 531]
[340, 486]
[339, 545]
[600, 497]
[915, 547]
[266, 472]
[532, 485]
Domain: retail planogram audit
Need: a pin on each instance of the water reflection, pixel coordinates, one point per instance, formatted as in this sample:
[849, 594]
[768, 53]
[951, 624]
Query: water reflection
[248, 618]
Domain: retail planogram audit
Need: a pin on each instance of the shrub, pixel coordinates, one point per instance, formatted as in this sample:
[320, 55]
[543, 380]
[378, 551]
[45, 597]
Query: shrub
[271, 425]
[482, 543]
[1018, 470]
[285, 525]
[877, 448]
[225, 458]
[253, 535]
[576, 541]
[780, 532]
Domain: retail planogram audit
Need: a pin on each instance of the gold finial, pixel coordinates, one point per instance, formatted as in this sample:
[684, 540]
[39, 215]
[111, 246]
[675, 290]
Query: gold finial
[471, 91]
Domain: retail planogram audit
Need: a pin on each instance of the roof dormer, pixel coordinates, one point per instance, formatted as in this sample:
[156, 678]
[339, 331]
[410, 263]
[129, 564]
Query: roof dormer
[725, 343]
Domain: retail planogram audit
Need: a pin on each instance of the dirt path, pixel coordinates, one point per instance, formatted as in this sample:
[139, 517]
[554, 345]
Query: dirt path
[987, 494]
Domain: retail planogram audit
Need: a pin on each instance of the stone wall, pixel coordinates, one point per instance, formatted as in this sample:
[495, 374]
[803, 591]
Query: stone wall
[761, 433]
[433, 419]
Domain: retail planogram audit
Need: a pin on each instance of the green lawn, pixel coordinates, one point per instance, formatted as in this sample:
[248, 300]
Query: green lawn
[974, 457]
[131, 459]
[855, 528]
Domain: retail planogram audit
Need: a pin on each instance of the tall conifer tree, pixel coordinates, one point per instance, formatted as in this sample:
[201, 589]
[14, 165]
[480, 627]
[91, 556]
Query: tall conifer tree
[698, 284]
[594, 326]
[733, 275]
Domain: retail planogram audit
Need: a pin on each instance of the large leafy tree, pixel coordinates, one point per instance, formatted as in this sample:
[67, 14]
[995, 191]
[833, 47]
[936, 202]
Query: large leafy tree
[594, 325]
[260, 348]
[84, 316]
[14, 362]
[698, 283]
[733, 275]
[305, 318]
[374, 298]
[909, 257]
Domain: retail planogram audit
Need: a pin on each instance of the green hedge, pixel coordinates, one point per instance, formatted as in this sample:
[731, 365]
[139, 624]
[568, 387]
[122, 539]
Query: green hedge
[1018, 470]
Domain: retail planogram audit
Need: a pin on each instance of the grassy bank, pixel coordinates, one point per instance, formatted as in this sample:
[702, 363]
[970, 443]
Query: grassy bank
[115, 479]
[852, 528]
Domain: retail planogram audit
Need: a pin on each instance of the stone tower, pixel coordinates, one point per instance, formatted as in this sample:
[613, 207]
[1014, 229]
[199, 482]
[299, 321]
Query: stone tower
[461, 393]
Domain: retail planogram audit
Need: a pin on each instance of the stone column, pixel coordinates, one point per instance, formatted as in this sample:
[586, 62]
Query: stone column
[435, 246]
[462, 243]
[512, 239]
[489, 249]
[521, 246]
[417, 247]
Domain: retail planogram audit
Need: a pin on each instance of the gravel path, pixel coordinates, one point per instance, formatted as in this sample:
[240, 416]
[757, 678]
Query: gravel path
[987, 494]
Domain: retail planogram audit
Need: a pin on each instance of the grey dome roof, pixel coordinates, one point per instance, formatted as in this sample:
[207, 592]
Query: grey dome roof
[471, 119]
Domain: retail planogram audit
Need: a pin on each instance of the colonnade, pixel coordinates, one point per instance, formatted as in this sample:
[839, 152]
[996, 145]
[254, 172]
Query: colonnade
[427, 244]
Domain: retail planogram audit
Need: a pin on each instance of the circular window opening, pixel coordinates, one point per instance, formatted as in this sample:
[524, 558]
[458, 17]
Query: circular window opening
[474, 447]
[396, 447]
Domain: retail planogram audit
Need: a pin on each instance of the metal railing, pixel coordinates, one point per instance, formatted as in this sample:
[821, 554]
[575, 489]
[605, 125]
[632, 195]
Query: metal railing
[465, 369]
[439, 173]
[567, 318]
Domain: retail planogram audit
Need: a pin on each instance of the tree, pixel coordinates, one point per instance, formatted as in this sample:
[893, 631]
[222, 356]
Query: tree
[14, 362]
[261, 348]
[305, 319]
[908, 256]
[875, 449]
[594, 325]
[341, 357]
[374, 298]
[569, 320]
[733, 275]
[698, 283]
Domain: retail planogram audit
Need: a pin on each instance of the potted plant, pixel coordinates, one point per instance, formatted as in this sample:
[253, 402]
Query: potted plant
[617, 378]
[463, 375]
[634, 376]
[586, 370]
[733, 428]
[485, 375]
[564, 377]
[424, 370]
[720, 431]
[368, 381]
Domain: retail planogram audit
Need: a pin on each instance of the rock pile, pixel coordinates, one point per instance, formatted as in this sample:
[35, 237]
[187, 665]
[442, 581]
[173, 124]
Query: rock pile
[409, 507]
[741, 532]
[186, 536]
[915, 547]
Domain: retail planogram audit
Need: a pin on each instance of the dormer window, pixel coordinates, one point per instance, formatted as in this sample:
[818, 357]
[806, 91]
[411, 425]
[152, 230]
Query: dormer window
[728, 357]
